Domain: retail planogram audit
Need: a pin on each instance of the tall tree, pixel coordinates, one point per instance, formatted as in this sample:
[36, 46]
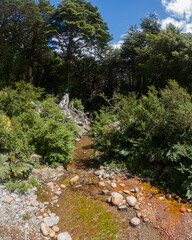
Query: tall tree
[80, 31]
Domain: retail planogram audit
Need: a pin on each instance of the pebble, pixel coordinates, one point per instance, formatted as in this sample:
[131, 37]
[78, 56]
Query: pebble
[126, 191]
[44, 229]
[8, 199]
[135, 221]
[183, 209]
[113, 185]
[51, 220]
[122, 207]
[101, 184]
[139, 195]
[131, 201]
[74, 179]
[64, 236]
[136, 189]
[146, 219]
[122, 184]
[105, 192]
[138, 214]
[55, 228]
[161, 198]
[100, 172]
[58, 193]
[62, 186]
[52, 234]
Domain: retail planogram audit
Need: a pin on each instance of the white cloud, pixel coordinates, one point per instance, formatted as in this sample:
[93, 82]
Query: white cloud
[118, 44]
[167, 21]
[181, 9]
[181, 14]
[188, 28]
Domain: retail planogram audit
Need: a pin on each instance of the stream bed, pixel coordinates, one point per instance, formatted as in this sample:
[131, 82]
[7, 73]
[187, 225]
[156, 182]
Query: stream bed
[85, 213]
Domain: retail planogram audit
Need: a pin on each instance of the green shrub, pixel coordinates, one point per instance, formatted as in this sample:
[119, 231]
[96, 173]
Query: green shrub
[154, 135]
[76, 103]
[34, 126]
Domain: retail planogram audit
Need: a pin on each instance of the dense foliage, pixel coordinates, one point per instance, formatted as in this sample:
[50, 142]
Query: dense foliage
[29, 125]
[152, 134]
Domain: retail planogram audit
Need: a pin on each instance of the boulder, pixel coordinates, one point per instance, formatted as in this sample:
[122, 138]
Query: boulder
[64, 236]
[131, 201]
[116, 198]
[51, 220]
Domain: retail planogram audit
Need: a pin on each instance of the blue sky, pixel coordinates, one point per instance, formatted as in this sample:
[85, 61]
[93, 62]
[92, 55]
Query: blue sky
[120, 14]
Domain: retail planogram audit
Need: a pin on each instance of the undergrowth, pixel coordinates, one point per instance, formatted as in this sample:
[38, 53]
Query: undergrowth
[151, 134]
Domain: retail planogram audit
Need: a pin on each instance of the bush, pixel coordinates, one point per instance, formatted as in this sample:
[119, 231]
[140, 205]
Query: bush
[34, 126]
[154, 135]
[76, 103]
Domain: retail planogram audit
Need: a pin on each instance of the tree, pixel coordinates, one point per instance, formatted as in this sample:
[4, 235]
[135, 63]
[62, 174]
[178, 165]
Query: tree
[80, 31]
[23, 37]
[151, 24]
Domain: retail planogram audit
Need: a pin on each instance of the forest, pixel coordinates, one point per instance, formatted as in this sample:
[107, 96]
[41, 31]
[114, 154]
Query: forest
[140, 94]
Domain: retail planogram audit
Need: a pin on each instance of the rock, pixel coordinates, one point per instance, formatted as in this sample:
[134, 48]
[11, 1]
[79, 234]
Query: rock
[55, 228]
[116, 198]
[113, 185]
[41, 205]
[36, 157]
[168, 196]
[138, 214]
[136, 189]
[52, 234]
[183, 209]
[64, 236]
[135, 221]
[106, 175]
[126, 191]
[50, 184]
[146, 219]
[105, 192]
[122, 184]
[122, 207]
[161, 198]
[101, 184]
[139, 195]
[189, 210]
[62, 186]
[74, 179]
[58, 193]
[132, 190]
[34, 203]
[45, 229]
[109, 199]
[137, 207]
[100, 172]
[51, 221]
[131, 201]
[8, 199]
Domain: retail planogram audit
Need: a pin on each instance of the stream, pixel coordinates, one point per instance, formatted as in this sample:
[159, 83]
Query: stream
[85, 213]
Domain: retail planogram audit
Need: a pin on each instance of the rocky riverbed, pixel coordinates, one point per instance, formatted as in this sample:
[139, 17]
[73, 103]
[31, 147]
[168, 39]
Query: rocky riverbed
[89, 201]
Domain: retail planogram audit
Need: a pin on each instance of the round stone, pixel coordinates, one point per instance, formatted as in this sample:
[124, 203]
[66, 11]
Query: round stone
[113, 185]
[135, 221]
[131, 201]
[116, 198]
